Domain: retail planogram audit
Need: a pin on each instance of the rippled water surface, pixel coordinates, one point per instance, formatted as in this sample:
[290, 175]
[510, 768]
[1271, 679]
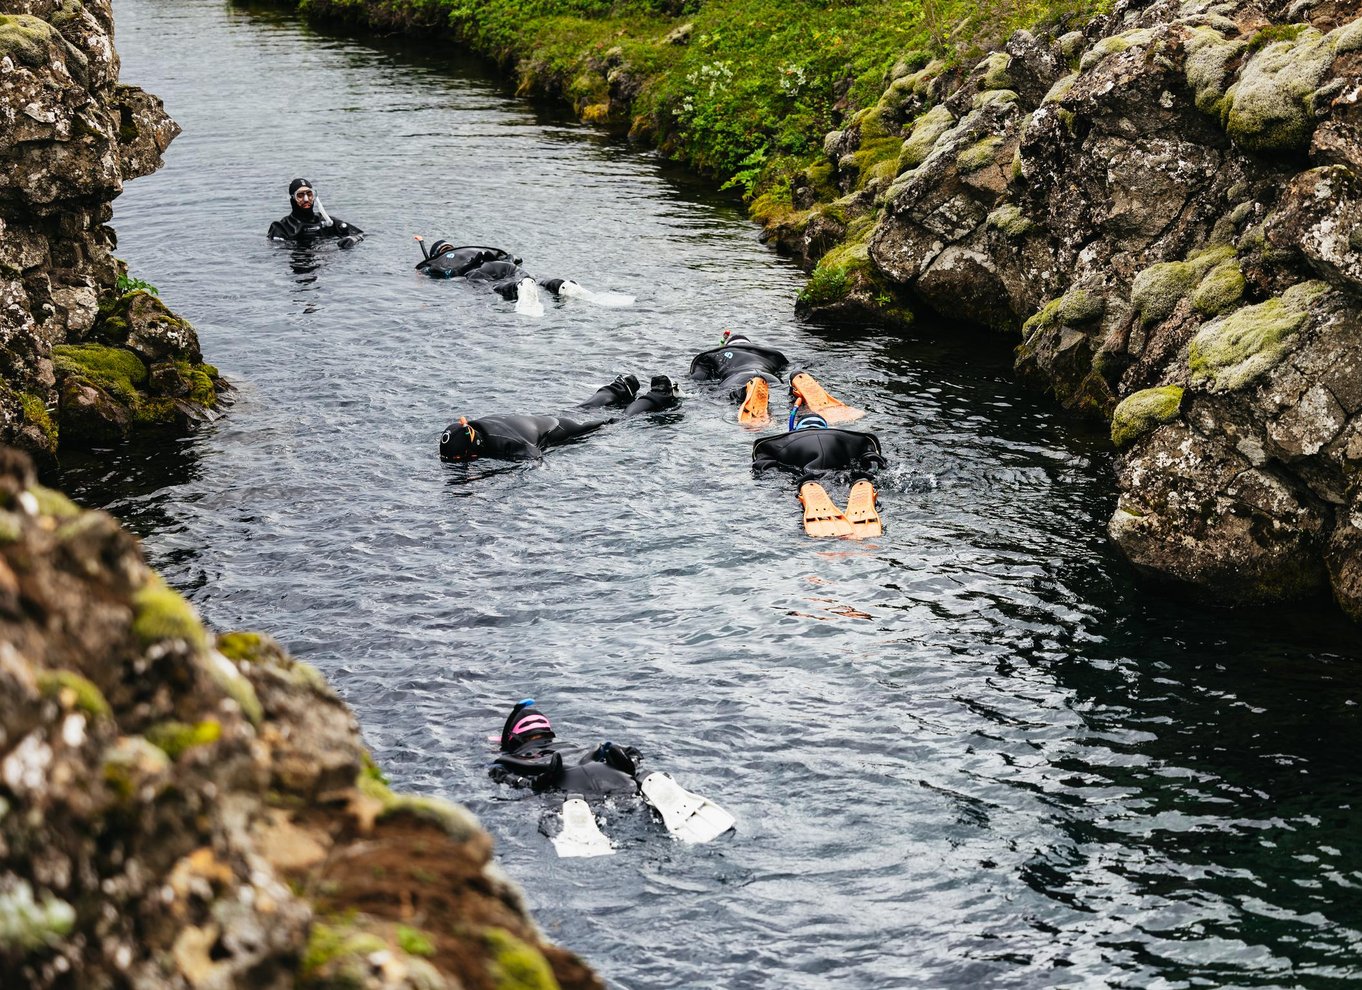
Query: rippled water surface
[971, 753]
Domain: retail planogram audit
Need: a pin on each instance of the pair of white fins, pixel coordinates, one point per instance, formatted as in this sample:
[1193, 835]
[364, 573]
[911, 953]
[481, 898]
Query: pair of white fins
[529, 303]
[688, 817]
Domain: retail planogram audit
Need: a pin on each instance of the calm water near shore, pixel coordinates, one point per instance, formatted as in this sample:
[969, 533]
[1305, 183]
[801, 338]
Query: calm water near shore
[971, 753]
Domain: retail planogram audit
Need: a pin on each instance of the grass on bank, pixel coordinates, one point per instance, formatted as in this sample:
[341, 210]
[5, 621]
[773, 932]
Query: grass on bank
[748, 90]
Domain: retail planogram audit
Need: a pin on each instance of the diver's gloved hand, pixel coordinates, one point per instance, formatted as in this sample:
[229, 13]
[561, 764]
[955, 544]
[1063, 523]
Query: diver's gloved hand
[348, 241]
[550, 777]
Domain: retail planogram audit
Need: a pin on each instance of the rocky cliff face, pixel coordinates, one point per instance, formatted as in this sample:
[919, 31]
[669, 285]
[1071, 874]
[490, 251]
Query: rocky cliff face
[1168, 207]
[80, 360]
[181, 810]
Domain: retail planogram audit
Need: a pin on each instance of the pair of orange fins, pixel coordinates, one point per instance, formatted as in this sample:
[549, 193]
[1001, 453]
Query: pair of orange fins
[805, 390]
[860, 521]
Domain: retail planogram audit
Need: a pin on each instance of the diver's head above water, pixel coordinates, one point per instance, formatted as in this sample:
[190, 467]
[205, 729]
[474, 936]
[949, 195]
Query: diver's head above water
[302, 200]
[524, 724]
[460, 441]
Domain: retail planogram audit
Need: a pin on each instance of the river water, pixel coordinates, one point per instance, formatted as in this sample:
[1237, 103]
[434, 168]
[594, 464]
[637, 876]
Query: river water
[971, 753]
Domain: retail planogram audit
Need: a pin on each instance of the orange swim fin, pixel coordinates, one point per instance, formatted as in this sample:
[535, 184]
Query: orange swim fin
[821, 515]
[861, 512]
[805, 389]
[756, 407]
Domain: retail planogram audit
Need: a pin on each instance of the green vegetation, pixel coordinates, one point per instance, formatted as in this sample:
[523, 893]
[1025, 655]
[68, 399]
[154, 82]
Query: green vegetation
[1230, 353]
[68, 687]
[175, 738]
[742, 89]
[414, 942]
[161, 614]
[1141, 412]
[116, 370]
[125, 284]
[28, 922]
[517, 965]
[454, 820]
[26, 39]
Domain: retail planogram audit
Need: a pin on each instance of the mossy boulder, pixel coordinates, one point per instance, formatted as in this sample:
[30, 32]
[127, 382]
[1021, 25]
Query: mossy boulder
[1271, 108]
[73, 691]
[927, 130]
[116, 370]
[1232, 351]
[1010, 221]
[1076, 308]
[1221, 289]
[176, 738]
[1141, 412]
[27, 40]
[1114, 45]
[979, 154]
[1209, 54]
[1158, 289]
[162, 614]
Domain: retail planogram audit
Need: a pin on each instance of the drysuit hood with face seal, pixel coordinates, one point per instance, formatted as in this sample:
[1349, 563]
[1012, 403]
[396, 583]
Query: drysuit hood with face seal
[524, 724]
[303, 214]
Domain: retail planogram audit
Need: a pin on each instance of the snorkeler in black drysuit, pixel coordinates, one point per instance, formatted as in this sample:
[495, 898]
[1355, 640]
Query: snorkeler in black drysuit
[486, 265]
[746, 370]
[521, 437]
[812, 449]
[531, 756]
[308, 220]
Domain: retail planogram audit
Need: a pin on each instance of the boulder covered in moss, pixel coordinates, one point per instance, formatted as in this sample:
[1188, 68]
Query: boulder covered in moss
[189, 810]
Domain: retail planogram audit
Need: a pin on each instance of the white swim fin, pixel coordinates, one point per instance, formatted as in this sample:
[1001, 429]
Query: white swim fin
[689, 817]
[574, 290]
[527, 299]
[581, 836]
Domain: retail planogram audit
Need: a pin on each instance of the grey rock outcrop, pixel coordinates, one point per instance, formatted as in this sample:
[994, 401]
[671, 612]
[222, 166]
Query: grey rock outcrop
[70, 136]
[1168, 207]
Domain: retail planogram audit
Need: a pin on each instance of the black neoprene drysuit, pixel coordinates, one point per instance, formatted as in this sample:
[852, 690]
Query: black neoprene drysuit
[485, 265]
[810, 453]
[304, 225]
[737, 363]
[515, 437]
[534, 759]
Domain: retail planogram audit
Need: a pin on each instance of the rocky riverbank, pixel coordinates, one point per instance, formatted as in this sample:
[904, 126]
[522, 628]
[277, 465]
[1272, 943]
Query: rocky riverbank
[85, 357]
[179, 809]
[1161, 209]
[1165, 210]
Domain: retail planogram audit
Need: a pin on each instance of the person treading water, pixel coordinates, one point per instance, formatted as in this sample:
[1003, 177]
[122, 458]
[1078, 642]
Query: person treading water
[308, 221]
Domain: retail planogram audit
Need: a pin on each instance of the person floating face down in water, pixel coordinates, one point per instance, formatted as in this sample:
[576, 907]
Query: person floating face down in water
[493, 267]
[747, 371]
[525, 438]
[532, 756]
[308, 221]
[811, 450]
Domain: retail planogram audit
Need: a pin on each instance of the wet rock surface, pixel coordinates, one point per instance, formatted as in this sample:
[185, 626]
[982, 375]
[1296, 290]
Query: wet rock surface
[179, 809]
[70, 136]
[1169, 200]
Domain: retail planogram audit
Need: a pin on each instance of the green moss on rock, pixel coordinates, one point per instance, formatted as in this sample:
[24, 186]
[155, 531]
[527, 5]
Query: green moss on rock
[68, 686]
[1075, 308]
[161, 614]
[35, 412]
[994, 97]
[337, 955]
[927, 130]
[453, 819]
[1222, 287]
[116, 370]
[1061, 88]
[176, 738]
[1114, 45]
[996, 71]
[1231, 352]
[26, 39]
[515, 964]
[979, 154]
[247, 646]
[1208, 56]
[1141, 412]
[1010, 221]
[54, 504]
[1271, 107]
